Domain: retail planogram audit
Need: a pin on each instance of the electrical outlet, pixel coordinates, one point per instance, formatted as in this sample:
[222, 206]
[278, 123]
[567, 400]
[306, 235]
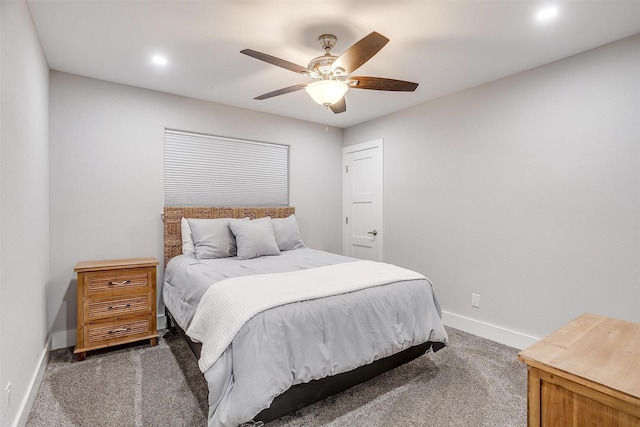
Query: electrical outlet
[7, 398]
[475, 300]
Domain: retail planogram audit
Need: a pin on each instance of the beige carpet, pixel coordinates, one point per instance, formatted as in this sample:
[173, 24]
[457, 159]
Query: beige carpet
[473, 382]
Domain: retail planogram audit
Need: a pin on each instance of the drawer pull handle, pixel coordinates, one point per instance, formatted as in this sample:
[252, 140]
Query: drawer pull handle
[120, 330]
[122, 283]
[113, 307]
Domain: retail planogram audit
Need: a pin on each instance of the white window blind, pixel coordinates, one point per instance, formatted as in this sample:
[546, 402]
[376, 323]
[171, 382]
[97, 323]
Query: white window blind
[206, 170]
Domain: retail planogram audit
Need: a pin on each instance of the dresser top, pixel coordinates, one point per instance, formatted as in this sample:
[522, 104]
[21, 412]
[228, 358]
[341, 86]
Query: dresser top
[600, 349]
[115, 264]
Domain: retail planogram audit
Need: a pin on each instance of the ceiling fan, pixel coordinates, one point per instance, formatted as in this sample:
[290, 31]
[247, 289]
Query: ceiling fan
[332, 74]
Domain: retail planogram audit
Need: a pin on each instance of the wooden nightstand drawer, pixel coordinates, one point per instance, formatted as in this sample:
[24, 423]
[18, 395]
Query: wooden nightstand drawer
[116, 303]
[114, 332]
[109, 307]
[124, 281]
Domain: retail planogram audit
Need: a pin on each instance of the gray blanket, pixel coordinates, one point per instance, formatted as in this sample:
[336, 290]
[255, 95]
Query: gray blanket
[299, 342]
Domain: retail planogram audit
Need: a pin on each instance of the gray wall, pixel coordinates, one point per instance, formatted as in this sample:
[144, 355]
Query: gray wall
[525, 191]
[107, 159]
[24, 204]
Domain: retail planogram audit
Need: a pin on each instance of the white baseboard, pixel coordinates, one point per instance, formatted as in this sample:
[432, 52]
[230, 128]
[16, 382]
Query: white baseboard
[504, 336]
[32, 390]
[486, 330]
[64, 339]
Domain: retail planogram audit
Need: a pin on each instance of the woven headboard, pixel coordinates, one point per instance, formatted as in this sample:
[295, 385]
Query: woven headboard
[173, 215]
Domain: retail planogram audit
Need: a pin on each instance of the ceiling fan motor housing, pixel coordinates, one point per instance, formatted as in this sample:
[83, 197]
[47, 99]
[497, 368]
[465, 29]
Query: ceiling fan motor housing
[321, 65]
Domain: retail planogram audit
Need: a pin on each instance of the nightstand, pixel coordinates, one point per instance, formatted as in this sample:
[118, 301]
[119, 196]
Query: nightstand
[585, 373]
[116, 303]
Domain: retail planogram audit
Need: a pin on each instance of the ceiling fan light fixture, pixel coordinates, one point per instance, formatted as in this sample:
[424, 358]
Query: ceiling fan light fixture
[327, 92]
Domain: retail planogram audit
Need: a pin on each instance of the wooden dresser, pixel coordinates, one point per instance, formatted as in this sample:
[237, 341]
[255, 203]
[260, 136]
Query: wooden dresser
[587, 373]
[116, 303]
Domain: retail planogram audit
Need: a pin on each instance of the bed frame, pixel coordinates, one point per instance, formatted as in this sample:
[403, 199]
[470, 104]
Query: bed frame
[299, 395]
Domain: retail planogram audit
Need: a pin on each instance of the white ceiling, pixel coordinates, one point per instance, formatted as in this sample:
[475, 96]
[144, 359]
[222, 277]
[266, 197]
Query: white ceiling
[445, 46]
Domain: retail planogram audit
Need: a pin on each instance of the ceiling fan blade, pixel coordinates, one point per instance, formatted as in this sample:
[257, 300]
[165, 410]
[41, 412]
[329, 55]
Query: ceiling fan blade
[380, 83]
[277, 61]
[339, 107]
[282, 91]
[359, 53]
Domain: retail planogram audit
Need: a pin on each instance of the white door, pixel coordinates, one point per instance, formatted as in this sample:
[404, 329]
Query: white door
[362, 200]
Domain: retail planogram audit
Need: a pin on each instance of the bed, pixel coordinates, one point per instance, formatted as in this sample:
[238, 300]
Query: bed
[278, 328]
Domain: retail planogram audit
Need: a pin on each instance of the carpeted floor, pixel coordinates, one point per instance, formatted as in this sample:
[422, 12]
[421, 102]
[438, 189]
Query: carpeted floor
[473, 382]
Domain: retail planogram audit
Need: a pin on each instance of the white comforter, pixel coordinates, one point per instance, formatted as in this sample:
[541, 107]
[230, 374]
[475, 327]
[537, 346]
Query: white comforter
[227, 305]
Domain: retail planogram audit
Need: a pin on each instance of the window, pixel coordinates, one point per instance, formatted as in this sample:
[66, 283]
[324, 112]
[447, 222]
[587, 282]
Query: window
[206, 170]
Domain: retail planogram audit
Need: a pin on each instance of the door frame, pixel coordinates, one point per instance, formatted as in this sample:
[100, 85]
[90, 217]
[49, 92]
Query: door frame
[379, 143]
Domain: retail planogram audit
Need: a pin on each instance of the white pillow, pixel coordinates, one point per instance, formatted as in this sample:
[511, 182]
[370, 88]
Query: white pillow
[254, 238]
[287, 233]
[188, 247]
[212, 238]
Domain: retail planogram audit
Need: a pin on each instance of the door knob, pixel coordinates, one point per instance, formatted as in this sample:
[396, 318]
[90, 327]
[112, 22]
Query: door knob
[374, 232]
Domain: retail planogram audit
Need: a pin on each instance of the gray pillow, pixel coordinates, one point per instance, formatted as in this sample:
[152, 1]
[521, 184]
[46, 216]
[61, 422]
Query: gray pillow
[254, 238]
[187, 240]
[212, 238]
[287, 233]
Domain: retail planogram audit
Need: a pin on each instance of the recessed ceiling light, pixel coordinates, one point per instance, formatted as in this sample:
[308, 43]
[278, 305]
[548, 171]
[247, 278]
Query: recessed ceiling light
[159, 60]
[547, 13]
